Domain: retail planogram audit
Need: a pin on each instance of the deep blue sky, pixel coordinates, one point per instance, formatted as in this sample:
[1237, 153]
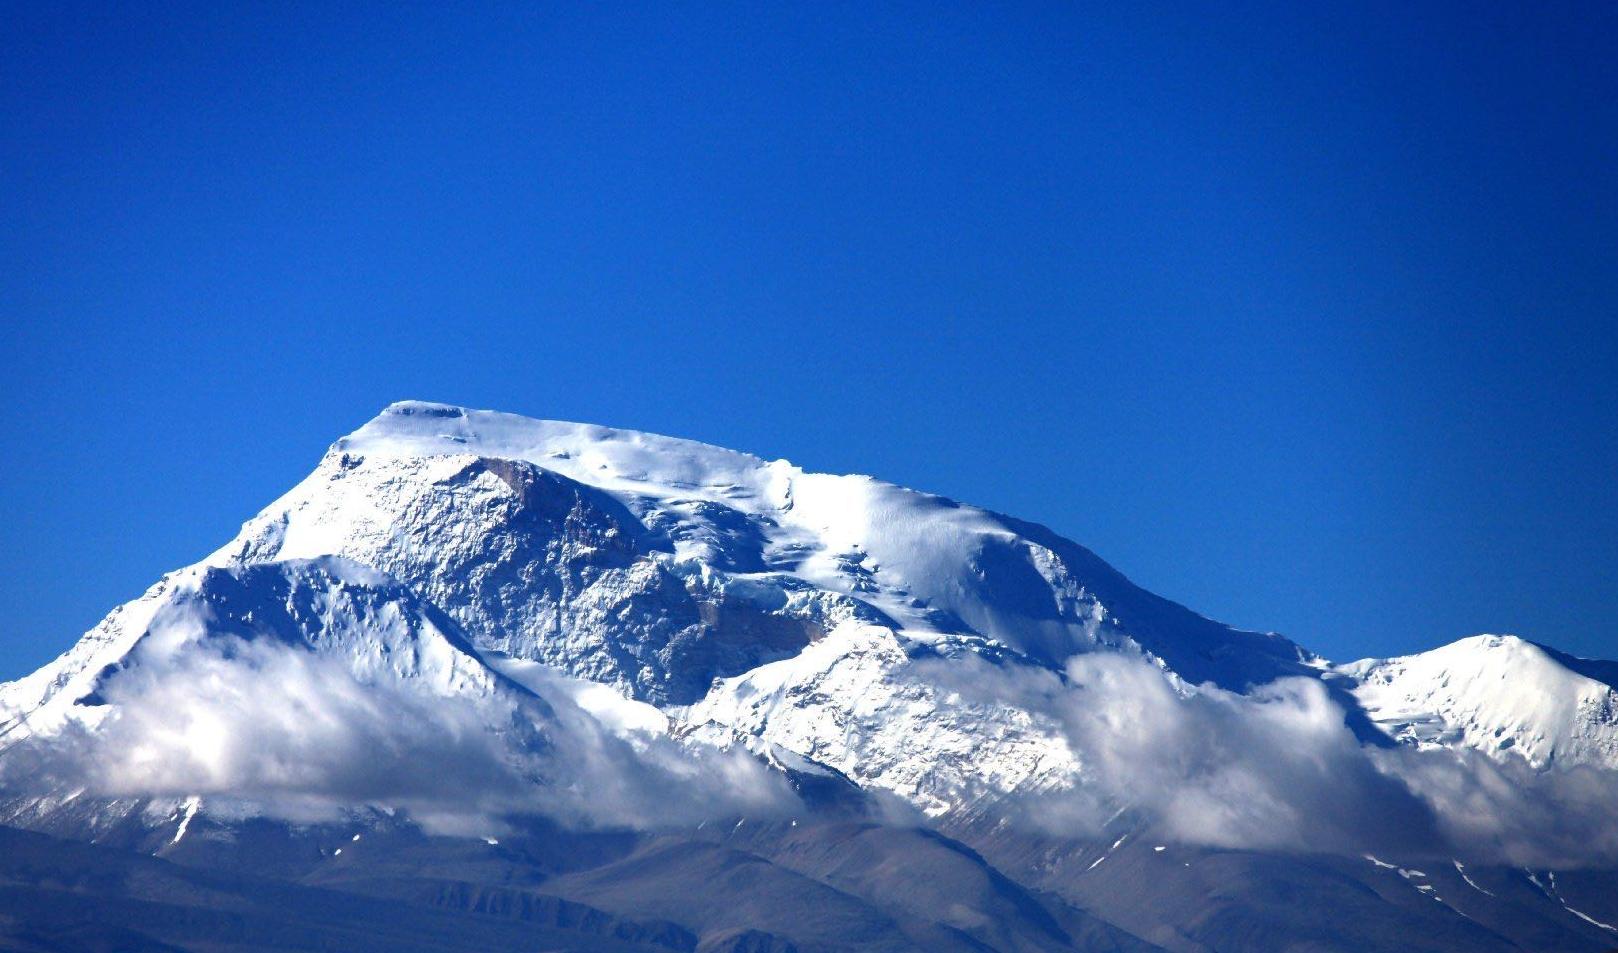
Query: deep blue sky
[1303, 316]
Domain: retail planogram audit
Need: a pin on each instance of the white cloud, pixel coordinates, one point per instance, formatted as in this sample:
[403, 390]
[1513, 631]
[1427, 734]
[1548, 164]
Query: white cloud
[1279, 769]
[302, 735]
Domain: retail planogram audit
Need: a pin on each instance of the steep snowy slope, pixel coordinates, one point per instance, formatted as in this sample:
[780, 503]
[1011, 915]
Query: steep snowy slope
[1499, 694]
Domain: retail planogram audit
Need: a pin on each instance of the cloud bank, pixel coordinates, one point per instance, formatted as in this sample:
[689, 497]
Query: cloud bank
[1278, 769]
[303, 736]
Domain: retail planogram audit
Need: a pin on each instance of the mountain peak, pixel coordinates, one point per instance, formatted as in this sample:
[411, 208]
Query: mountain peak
[428, 428]
[1496, 693]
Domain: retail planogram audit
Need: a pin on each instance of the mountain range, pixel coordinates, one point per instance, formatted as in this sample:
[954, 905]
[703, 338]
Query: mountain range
[487, 682]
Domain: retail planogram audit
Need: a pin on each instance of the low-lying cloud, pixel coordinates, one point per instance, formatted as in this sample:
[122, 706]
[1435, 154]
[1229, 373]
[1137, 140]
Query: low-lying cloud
[303, 736]
[300, 734]
[1274, 769]
[1279, 769]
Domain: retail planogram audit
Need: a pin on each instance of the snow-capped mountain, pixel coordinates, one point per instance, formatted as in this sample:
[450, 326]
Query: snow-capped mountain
[549, 531]
[830, 616]
[1499, 694]
[473, 616]
[672, 569]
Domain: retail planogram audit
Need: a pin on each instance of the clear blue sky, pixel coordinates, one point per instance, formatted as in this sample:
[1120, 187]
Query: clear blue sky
[1303, 316]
